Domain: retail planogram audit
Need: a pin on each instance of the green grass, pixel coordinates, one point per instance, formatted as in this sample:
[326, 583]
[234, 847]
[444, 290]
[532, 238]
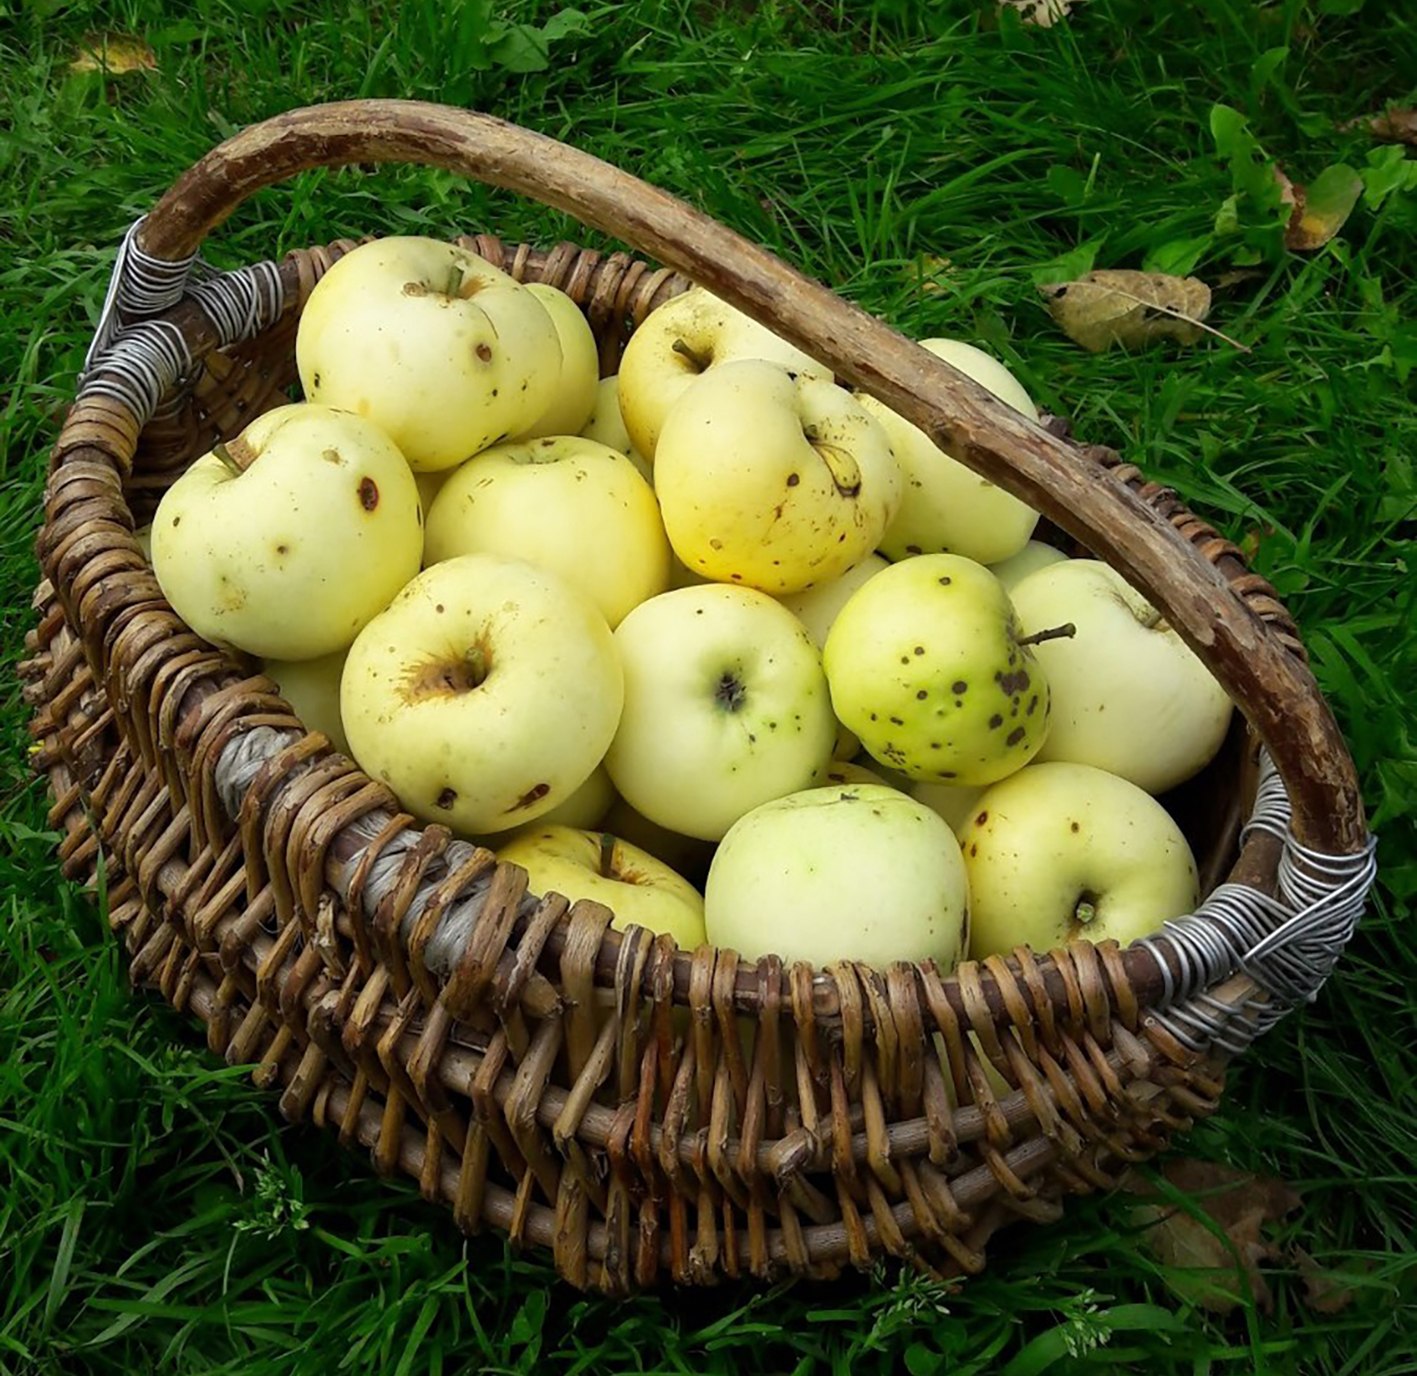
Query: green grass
[156, 1215]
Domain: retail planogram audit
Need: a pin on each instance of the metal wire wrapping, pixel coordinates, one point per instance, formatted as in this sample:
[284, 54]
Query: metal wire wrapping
[1287, 943]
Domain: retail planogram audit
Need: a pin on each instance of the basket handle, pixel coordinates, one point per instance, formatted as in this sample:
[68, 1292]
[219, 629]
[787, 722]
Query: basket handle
[1279, 694]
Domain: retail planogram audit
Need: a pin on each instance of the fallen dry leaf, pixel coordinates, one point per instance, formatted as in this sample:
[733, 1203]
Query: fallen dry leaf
[1042, 14]
[931, 271]
[1216, 1254]
[1322, 208]
[1133, 309]
[1324, 1293]
[1395, 126]
[115, 54]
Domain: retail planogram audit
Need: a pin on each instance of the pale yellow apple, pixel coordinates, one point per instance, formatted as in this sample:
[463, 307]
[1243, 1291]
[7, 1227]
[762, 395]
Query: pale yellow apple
[444, 352]
[566, 504]
[600, 866]
[846, 772]
[1129, 695]
[485, 695]
[684, 339]
[579, 381]
[1033, 556]
[725, 707]
[1064, 851]
[817, 608]
[926, 666]
[687, 855]
[607, 425]
[954, 802]
[430, 485]
[311, 687]
[946, 506]
[287, 540]
[773, 482]
[854, 872]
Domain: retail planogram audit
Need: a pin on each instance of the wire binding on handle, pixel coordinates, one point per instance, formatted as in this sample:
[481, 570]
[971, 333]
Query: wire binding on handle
[145, 363]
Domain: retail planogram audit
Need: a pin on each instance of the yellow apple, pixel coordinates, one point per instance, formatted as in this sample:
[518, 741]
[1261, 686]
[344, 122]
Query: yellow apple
[444, 352]
[855, 872]
[597, 865]
[565, 504]
[484, 695]
[311, 686]
[946, 506]
[287, 540]
[725, 707]
[817, 608]
[1066, 851]
[774, 482]
[1033, 556]
[579, 381]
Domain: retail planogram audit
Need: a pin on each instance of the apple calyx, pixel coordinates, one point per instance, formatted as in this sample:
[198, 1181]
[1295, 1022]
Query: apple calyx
[1064, 632]
[729, 693]
[1084, 914]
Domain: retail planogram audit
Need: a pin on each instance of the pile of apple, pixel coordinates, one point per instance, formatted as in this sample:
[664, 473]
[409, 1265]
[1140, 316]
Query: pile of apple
[715, 604]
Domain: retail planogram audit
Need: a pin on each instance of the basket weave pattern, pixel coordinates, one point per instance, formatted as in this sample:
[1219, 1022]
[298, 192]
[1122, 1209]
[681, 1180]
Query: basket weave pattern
[641, 1113]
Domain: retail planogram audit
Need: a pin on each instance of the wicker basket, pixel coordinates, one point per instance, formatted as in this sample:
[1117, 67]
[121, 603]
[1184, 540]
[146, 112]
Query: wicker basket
[524, 1061]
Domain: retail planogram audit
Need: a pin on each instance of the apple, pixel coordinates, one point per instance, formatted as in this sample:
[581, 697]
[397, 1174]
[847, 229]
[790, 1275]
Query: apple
[859, 872]
[927, 665]
[725, 707]
[955, 803]
[311, 687]
[946, 506]
[597, 865]
[285, 541]
[1033, 556]
[772, 481]
[484, 695]
[586, 807]
[686, 338]
[444, 352]
[579, 382]
[1129, 695]
[817, 608]
[842, 772]
[607, 425]
[1065, 851]
[565, 504]
[430, 485]
[686, 855]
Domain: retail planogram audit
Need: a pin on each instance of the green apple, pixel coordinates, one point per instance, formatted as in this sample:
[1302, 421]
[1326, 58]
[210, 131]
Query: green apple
[1065, 851]
[725, 707]
[599, 866]
[817, 608]
[311, 687]
[565, 504]
[484, 695]
[855, 872]
[586, 807]
[579, 381]
[686, 855]
[686, 338]
[288, 539]
[842, 772]
[444, 352]
[771, 481]
[1129, 695]
[946, 506]
[1033, 556]
[928, 667]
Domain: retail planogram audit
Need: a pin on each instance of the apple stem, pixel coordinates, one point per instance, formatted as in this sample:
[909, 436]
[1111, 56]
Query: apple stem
[607, 855]
[684, 351]
[1063, 632]
[454, 286]
[237, 460]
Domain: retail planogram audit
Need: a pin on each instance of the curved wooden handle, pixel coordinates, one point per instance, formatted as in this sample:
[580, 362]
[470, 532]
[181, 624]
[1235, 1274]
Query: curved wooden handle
[1278, 693]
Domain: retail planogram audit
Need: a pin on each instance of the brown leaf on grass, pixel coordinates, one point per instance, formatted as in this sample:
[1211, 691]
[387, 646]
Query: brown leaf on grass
[1322, 208]
[1324, 1293]
[1133, 309]
[931, 271]
[116, 54]
[1216, 1253]
[1395, 126]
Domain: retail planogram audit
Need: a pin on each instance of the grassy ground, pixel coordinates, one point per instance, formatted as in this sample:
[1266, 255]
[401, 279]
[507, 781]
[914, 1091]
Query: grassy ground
[154, 1213]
